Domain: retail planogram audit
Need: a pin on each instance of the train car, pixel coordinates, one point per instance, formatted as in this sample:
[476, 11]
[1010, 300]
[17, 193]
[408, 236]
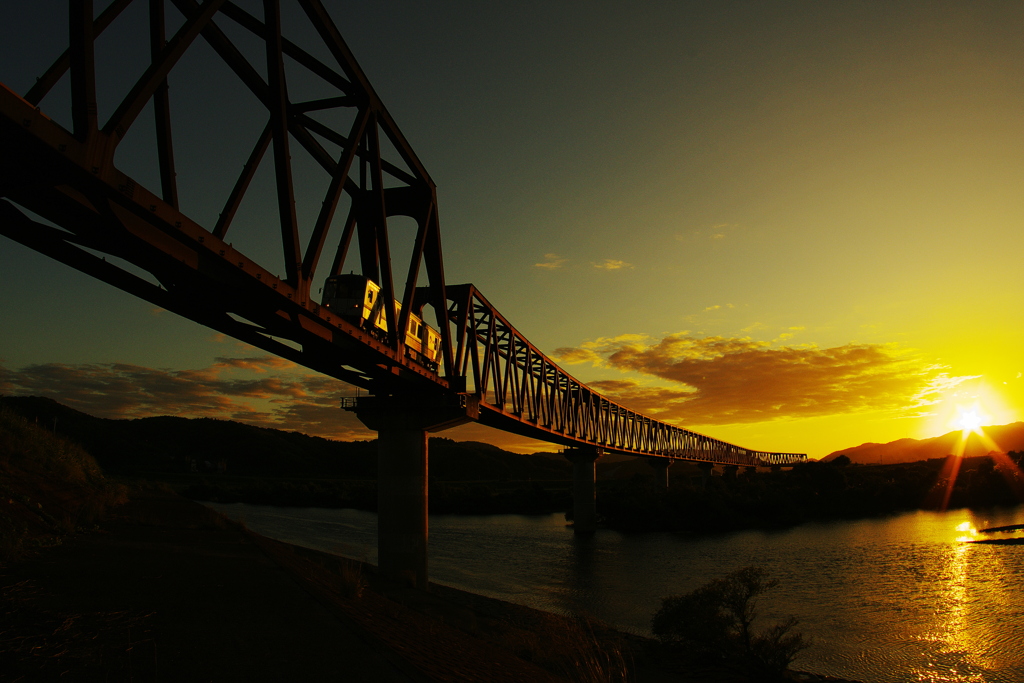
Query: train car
[357, 299]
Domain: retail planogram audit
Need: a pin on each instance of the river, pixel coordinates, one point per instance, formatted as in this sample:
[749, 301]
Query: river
[884, 600]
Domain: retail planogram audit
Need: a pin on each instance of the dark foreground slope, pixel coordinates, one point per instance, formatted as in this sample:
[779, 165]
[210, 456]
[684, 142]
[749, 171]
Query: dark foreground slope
[49, 487]
[166, 590]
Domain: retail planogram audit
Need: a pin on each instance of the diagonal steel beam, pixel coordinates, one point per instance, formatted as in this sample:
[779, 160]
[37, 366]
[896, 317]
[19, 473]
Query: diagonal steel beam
[242, 184]
[83, 69]
[45, 83]
[125, 114]
[327, 209]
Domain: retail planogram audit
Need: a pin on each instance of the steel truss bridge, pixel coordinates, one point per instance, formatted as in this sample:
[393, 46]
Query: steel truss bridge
[64, 196]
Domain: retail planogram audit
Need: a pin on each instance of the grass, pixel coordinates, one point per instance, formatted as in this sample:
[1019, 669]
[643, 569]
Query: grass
[576, 650]
[350, 579]
[49, 487]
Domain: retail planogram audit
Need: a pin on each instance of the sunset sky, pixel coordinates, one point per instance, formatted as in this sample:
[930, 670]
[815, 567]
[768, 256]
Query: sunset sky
[795, 226]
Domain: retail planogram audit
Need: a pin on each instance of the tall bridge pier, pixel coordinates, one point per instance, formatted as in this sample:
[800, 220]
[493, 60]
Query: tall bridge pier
[660, 466]
[403, 425]
[584, 487]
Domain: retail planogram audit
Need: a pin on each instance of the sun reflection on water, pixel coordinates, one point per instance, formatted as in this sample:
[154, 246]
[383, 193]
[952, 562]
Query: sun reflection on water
[970, 532]
[958, 646]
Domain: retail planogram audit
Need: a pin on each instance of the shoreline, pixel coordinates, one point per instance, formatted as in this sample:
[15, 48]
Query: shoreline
[167, 588]
[479, 614]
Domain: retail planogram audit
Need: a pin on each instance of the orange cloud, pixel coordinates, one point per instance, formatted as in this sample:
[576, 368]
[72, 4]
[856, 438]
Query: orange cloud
[612, 264]
[259, 364]
[729, 380]
[553, 262]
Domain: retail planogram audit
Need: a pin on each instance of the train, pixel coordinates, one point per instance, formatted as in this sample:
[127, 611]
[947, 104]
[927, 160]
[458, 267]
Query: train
[357, 299]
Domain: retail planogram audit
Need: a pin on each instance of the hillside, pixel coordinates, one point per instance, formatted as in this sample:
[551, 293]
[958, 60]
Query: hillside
[169, 445]
[1008, 437]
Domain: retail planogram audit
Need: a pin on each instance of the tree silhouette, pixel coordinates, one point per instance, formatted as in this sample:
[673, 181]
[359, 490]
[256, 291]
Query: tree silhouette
[717, 621]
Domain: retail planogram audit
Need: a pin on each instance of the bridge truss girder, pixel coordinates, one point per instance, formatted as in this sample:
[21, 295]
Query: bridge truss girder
[523, 391]
[69, 179]
[62, 195]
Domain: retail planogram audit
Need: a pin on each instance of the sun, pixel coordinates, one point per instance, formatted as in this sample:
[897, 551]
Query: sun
[970, 420]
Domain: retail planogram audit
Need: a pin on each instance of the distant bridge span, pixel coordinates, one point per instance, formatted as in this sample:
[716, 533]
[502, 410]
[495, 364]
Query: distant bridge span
[64, 195]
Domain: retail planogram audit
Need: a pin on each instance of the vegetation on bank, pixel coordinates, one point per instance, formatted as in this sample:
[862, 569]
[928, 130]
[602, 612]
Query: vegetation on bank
[49, 487]
[807, 492]
[815, 491]
[716, 623]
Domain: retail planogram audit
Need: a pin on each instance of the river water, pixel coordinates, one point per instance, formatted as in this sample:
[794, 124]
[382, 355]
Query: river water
[888, 600]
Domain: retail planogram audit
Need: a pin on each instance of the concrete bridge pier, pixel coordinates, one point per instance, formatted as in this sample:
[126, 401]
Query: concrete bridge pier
[661, 466]
[705, 472]
[584, 487]
[403, 426]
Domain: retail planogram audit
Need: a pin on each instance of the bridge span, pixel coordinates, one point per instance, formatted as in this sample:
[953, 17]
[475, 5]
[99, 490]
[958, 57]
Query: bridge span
[64, 194]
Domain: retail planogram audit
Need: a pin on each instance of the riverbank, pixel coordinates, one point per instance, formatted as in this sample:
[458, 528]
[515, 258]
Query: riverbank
[166, 589]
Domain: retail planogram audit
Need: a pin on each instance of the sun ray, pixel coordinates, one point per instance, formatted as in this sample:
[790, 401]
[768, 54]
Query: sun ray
[1006, 467]
[970, 422]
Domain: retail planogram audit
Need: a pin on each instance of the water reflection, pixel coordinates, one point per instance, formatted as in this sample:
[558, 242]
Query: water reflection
[886, 600]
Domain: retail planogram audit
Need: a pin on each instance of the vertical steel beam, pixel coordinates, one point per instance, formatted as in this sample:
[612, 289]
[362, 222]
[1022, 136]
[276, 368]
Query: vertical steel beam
[162, 107]
[369, 259]
[379, 221]
[45, 83]
[83, 69]
[278, 104]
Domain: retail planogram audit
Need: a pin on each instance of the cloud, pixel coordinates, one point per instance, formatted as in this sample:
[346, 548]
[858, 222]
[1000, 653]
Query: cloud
[729, 380]
[591, 352]
[266, 391]
[612, 264]
[577, 356]
[553, 262]
[260, 364]
[718, 231]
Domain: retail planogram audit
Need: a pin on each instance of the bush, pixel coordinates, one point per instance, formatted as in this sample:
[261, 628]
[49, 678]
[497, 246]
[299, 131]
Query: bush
[717, 621]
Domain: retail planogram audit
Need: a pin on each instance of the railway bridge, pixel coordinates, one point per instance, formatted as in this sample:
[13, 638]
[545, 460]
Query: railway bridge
[432, 355]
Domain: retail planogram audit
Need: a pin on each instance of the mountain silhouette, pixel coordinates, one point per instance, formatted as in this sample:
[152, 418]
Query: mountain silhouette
[1008, 437]
[169, 444]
